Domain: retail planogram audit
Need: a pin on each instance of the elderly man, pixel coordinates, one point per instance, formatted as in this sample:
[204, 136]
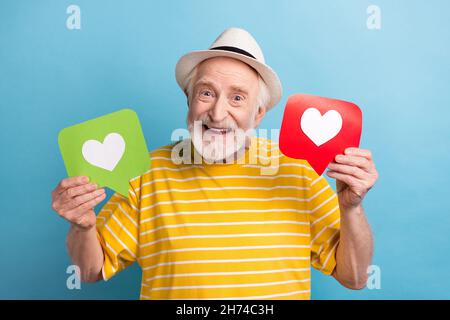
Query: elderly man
[219, 229]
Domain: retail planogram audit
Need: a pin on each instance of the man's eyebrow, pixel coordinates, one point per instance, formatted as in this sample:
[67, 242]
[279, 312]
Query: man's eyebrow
[204, 83]
[239, 89]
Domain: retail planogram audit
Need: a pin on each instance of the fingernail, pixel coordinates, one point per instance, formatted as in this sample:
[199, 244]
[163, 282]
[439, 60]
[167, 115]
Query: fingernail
[85, 179]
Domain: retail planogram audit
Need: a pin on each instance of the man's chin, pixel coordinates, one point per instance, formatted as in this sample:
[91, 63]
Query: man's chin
[216, 146]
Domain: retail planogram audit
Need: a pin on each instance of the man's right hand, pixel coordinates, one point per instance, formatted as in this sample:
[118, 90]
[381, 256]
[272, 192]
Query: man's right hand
[74, 199]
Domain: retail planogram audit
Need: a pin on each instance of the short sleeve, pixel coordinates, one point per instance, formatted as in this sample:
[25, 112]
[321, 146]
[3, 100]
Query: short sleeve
[118, 230]
[324, 219]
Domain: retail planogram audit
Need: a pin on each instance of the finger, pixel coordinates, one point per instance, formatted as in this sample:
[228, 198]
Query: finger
[359, 152]
[70, 182]
[347, 169]
[76, 191]
[76, 212]
[358, 161]
[79, 200]
[351, 181]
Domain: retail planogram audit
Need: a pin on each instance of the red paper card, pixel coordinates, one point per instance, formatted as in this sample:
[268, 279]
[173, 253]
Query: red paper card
[317, 129]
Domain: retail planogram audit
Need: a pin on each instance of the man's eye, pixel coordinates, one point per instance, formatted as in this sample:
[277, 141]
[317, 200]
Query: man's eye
[206, 93]
[238, 98]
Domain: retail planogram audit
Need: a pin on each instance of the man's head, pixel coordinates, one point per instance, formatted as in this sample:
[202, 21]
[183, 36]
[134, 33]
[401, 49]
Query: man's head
[228, 85]
[229, 89]
[229, 98]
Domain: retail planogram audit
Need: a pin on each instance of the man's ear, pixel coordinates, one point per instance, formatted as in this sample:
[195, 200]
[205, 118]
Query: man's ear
[259, 115]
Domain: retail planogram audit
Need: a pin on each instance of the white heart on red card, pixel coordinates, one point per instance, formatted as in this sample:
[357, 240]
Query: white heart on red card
[320, 128]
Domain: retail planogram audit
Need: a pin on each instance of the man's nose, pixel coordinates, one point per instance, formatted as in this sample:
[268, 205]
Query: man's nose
[219, 112]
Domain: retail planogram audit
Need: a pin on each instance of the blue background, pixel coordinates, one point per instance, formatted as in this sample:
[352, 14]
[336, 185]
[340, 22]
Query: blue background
[125, 55]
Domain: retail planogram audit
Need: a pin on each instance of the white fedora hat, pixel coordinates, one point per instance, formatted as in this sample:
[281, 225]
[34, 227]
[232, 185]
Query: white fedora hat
[238, 44]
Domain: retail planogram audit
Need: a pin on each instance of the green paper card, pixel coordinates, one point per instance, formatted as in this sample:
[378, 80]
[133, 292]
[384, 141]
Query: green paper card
[110, 150]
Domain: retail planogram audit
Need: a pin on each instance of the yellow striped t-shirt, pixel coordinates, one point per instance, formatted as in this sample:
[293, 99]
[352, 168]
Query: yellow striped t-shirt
[223, 231]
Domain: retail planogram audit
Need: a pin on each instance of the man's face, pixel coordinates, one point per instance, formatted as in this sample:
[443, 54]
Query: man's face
[224, 98]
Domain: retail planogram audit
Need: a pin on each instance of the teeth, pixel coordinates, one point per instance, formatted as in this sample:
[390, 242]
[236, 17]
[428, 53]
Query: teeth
[219, 130]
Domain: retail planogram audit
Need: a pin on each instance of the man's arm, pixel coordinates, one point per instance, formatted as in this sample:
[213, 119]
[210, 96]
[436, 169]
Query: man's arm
[74, 200]
[355, 175]
[355, 249]
[86, 252]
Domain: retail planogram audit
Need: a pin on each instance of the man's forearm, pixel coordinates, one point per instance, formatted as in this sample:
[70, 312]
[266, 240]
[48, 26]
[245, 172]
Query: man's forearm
[354, 252]
[86, 252]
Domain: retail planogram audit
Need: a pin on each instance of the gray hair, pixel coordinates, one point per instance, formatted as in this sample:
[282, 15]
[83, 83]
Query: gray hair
[262, 100]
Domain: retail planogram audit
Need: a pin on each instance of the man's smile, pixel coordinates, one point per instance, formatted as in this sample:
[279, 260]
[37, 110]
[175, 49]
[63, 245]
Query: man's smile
[216, 130]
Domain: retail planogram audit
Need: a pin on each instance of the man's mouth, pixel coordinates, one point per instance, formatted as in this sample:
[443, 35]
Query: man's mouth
[217, 130]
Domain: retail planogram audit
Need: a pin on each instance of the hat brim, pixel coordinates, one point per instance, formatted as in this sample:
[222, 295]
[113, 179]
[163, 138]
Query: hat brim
[190, 60]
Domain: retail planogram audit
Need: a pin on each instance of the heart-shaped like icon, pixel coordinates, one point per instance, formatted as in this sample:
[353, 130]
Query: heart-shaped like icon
[318, 128]
[104, 155]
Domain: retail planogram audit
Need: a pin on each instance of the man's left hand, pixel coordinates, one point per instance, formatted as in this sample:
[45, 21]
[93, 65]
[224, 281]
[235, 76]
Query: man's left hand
[355, 175]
